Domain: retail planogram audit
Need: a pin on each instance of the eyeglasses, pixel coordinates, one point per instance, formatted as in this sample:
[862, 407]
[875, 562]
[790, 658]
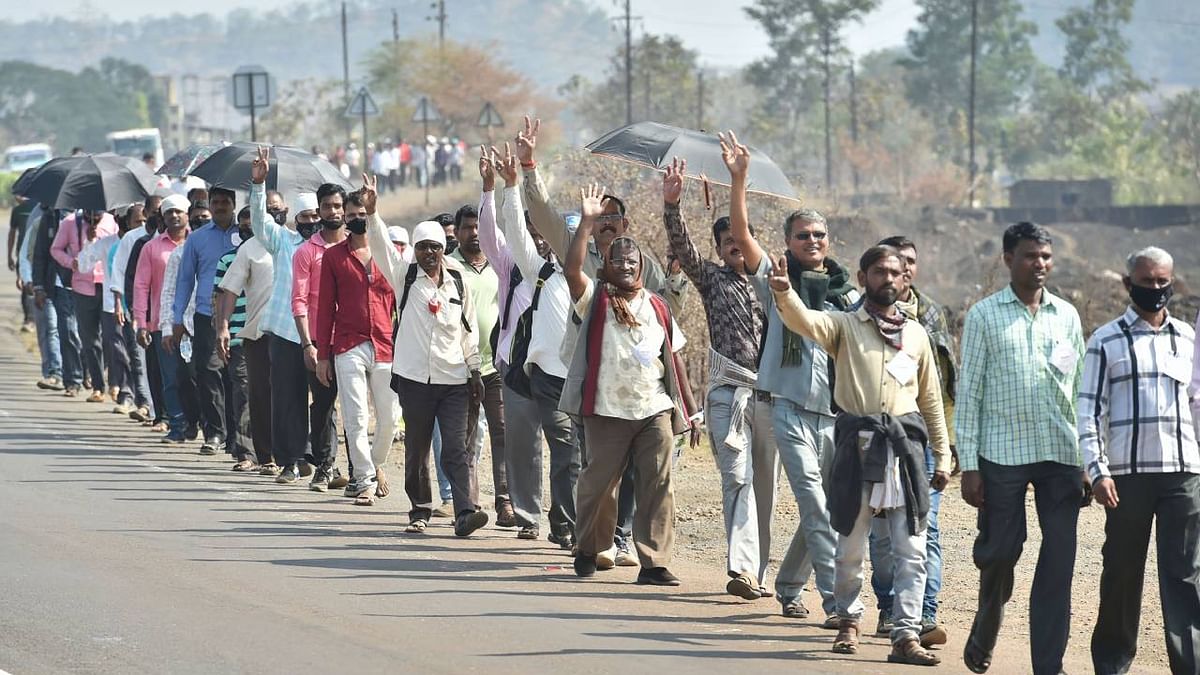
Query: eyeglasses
[428, 246]
[815, 236]
[609, 218]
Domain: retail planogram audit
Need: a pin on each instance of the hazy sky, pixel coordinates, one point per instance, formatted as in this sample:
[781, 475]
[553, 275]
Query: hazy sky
[718, 29]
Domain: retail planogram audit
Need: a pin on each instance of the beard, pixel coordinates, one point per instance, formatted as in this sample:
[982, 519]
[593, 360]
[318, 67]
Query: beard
[884, 296]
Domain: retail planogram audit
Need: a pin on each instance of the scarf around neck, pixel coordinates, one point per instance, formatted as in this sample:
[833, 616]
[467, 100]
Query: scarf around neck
[815, 288]
[619, 298]
[891, 328]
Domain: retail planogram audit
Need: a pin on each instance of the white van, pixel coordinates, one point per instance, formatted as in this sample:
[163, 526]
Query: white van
[17, 158]
[137, 143]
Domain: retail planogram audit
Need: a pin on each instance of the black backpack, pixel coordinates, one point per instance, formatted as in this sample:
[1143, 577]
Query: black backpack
[514, 279]
[411, 276]
[516, 378]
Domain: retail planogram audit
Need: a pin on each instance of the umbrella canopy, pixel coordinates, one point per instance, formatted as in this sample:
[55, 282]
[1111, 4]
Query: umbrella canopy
[93, 182]
[22, 182]
[291, 170]
[654, 145]
[181, 163]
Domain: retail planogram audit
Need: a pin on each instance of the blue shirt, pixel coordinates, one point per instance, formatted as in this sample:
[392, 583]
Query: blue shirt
[198, 267]
[282, 244]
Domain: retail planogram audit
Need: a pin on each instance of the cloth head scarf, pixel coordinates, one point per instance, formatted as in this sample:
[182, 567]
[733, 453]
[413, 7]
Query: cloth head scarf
[174, 202]
[619, 298]
[429, 230]
[303, 201]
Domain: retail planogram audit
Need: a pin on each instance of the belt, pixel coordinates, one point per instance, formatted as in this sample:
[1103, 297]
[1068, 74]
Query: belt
[764, 396]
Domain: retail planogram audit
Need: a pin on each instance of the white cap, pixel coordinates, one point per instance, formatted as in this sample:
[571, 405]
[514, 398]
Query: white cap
[303, 201]
[397, 234]
[429, 230]
[176, 202]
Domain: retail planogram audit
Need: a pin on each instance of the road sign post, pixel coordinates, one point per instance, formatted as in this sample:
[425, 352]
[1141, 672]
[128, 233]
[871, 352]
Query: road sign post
[489, 118]
[426, 113]
[363, 106]
[252, 91]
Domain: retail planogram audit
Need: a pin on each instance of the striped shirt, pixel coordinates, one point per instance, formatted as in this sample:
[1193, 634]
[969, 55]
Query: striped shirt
[237, 319]
[1134, 415]
[1020, 372]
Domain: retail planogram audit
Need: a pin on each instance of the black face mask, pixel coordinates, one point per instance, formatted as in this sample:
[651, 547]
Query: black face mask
[357, 226]
[331, 224]
[279, 216]
[245, 233]
[451, 246]
[1150, 299]
[306, 230]
[200, 222]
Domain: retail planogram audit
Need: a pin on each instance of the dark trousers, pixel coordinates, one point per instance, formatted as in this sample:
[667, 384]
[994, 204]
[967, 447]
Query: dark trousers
[493, 407]
[1173, 501]
[322, 430]
[116, 353]
[237, 413]
[210, 378]
[68, 337]
[88, 309]
[155, 377]
[446, 403]
[137, 364]
[1057, 491]
[185, 382]
[258, 388]
[289, 401]
[561, 435]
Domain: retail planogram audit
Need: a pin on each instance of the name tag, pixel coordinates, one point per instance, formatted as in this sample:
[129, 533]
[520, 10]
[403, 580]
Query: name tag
[645, 351]
[1064, 358]
[903, 368]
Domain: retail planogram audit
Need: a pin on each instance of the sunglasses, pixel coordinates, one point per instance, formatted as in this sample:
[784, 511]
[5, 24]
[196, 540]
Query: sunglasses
[428, 246]
[815, 236]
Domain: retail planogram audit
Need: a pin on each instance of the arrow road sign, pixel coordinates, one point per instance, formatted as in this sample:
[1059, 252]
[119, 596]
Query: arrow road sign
[363, 104]
[425, 112]
[488, 117]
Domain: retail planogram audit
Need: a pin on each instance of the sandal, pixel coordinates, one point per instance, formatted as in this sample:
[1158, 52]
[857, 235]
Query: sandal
[910, 652]
[794, 609]
[846, 641]
[381, 484]
[364, 499]
[416, 527]
[975, 658]
[269, 469]
[245, 466]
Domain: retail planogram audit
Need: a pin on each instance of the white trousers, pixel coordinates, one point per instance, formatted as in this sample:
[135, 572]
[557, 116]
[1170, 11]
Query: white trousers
[360, 378]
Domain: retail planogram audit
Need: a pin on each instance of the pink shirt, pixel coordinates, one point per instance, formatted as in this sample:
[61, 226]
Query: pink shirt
[148, 279]
[306, 275]
[70, 240]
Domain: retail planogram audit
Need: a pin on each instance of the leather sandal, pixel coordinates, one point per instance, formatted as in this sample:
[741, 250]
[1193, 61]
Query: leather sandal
[910, 652]
[846, 641]
[417, 527]
[365, 499]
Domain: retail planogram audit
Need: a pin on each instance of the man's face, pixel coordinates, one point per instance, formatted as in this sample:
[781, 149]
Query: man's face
[1029, 264]
[275, 203]
[429, 256]
[175, 220]
[1149, 274]
[624, 265]
[449, 230]
[730, 253]
[467, 235]
[908, 258]
[331, 208]
[200, 217]
[809, 243]
[882, 280]
[543, 247]
[308, 217]
[221, 207]
[609, 225]
[356, 212]
[243, 221]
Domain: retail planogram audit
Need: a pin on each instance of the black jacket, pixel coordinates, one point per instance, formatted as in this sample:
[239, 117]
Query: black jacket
[907, 437]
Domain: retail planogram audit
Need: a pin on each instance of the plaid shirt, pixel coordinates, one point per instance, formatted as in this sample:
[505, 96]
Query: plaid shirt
[282, 244]
[1134, 415]
[1015, 401]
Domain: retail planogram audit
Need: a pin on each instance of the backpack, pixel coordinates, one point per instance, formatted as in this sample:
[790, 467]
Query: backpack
[516, 378]
[411, 276]
[514, 279]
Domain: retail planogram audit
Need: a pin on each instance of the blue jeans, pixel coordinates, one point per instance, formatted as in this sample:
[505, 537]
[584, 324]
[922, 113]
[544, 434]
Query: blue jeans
[883, 570]
[444, 490]
[169, 369]
[68, 337]
[46, 319]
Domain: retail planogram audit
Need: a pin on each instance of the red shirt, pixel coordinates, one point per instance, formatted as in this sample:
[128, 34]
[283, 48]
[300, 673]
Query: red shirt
[355, 306]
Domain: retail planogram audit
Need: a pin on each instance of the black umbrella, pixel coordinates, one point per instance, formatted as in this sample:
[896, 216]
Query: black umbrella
[654, 145]
[291, 170]
[22, 182]
[181, 163]
[93, 182]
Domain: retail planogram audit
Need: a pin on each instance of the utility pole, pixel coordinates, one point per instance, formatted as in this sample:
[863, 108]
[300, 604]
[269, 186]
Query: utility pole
[628, 64]
[971, 106]
[825, 49]
[346, 74]
[854, 121]
[395, 27]
[646, 83]
[700, 100]
[440, 17]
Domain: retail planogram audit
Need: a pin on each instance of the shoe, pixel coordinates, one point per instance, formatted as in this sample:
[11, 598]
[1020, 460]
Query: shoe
[505, 516]
[320, 480]
[287, 476]
[351, 490]
[885, 625]
[931, 633]
[245, 466]
[467, 523]
[565, 541]
[271, 469]
[442, 511]
[50, 383]
[338, 481]
[764, 593]
[306, 469]
[794, 609]
[141, 414]
[71, 392]
[743, 586]
[625, 557]
[528, 533]
[123, 409]
[192, 432]
[585, 565]
[606, 560]
[832, 622]
[173, 437]
[657, 576]
[97, 396]
[28, 327]
[210, 445]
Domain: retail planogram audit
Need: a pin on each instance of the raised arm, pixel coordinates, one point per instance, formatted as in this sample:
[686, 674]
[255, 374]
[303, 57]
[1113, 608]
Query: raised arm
[262, 224]
[491, 239]
[737, 160]
[548, 221]
[391, 264]
[591, 207]
[677, 232]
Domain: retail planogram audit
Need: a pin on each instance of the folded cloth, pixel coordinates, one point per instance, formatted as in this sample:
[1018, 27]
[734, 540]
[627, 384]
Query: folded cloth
[723, 372]
[901, 440]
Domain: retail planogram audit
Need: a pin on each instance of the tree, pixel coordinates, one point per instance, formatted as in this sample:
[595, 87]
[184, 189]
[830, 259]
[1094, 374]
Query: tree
[807, 34]
[1096, 59]
[1182, 118]
[939, 62]
[305, 113]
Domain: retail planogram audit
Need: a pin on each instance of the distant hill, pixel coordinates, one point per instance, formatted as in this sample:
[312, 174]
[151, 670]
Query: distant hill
[548, 41]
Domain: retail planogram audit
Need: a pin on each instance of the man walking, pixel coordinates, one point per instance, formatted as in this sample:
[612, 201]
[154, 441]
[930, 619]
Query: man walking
[1138, 439]
[1015, 420]
[87, 287]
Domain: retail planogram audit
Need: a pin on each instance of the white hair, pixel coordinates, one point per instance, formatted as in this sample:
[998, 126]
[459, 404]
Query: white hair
[1154, 254]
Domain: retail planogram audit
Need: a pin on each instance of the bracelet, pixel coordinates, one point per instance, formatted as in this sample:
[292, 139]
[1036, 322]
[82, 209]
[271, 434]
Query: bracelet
[309, 344]
[530, 165]
[698, 417]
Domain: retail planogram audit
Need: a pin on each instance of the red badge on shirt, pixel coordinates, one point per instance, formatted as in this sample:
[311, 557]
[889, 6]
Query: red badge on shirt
[435, 305]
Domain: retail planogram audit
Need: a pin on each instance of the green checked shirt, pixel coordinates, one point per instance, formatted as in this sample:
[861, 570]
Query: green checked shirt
[1018, 382]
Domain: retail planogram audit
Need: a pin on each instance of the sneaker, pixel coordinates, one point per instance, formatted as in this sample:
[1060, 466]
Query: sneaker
[320, 480]
[743, 586]
[306, 469]
[28, 327]
[885, 625]
[625, 557]
[585, 565]
[565, 541]
[351, 490]
[97, 396]
[528, 533]
[505, 516]
[287, 476]
[141, 414]
[338, 481]
[467, 523]
[192, 432]
[606, 560]
[173, 437]
[268, 470]
[210, 445]
[50, 383]
[931, 633]
[657, 576]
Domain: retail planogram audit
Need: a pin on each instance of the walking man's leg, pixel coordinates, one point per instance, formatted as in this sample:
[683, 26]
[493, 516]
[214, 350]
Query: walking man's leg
[1058, 492]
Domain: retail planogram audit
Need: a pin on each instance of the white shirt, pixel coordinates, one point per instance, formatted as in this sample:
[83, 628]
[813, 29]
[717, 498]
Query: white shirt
[431, 347]
[97, 252]
[166, 300]
[553, 314]
[116, 280]
[252, 272]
